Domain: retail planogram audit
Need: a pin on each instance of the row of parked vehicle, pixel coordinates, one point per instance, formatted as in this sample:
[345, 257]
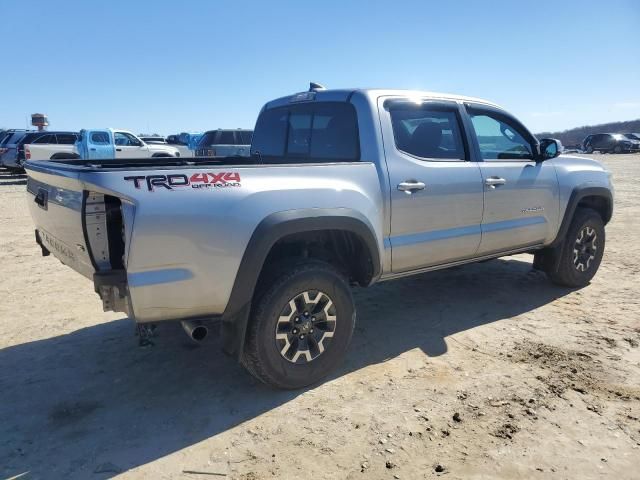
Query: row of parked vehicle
[612, 143]
[19, 145]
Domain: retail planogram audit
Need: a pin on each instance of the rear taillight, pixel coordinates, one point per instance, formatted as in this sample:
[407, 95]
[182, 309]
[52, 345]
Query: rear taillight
[27, 152]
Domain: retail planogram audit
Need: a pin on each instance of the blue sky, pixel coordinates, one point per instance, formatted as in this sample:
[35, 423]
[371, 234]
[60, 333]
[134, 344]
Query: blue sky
[169, 66]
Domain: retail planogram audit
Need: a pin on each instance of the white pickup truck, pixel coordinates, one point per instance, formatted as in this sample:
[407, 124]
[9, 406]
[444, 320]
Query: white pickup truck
[98, 144]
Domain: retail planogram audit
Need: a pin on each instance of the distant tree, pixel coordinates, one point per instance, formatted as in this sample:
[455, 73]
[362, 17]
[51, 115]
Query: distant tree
[575, 136]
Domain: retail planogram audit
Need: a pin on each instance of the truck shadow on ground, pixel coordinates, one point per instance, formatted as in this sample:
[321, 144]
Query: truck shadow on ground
[10, 178]
[74, 403]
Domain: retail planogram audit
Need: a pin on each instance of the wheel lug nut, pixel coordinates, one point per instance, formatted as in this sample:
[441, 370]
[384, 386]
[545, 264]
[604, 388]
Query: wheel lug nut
[311, 330]
[313, 319]
[301, 337]
[295, 330]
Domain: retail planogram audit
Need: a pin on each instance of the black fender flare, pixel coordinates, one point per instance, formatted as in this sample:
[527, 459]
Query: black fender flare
[271, 229]
[577, 194]
[548, 259]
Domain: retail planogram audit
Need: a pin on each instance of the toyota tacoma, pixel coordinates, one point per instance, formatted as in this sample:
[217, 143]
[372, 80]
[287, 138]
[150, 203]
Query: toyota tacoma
[342, 188]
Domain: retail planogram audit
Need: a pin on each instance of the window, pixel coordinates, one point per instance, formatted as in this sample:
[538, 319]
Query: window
[100, 138]
[66, 138]
[427, 131]
[46, 139]
[226, 137]
[245, 137]
[310, 132]
[499, 139]
[123, 139]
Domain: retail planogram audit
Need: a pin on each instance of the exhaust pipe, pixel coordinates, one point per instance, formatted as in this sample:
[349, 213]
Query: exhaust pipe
[195, 329]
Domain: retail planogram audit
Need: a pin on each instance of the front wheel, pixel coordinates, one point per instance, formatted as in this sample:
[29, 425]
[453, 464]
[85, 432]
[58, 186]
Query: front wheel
[300, 326]
[582, 250]
[617, 149]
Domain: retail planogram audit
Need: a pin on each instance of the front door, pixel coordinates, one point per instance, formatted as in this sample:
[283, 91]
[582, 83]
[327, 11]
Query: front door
[128, 146]
[436, 191]
[521, 204]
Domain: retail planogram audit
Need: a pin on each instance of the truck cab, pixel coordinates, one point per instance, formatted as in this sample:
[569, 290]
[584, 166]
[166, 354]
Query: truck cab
[95, 144]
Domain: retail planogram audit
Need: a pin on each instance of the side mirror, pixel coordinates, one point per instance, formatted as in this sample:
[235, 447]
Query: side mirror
[550, 148]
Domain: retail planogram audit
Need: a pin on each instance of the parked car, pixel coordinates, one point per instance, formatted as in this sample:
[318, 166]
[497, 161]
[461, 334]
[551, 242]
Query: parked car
[632, 136]
[47, 145]
[343, 187]
[610, 143]
[224, 143]
[8, 147]
[153, 139]
[101, 143]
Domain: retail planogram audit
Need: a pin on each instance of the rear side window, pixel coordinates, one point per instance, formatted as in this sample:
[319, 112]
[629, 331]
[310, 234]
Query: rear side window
[245, 137]
[312, 132]
[428, 131]
[48, 139]
[100, 138]
[66, 138]
[226, 138]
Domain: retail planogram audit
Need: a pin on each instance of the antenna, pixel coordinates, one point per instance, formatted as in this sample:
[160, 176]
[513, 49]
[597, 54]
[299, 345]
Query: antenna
[314, 87]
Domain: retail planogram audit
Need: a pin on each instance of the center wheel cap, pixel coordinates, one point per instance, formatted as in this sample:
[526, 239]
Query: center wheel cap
[306, 326]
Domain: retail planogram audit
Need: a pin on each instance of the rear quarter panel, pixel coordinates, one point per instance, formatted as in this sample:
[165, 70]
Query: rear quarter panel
[185, 244]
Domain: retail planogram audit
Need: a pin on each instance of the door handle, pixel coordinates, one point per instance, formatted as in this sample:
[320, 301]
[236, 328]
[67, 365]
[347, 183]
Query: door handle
[118, 149]
[493, 182]
[92, 149]
[410, 186]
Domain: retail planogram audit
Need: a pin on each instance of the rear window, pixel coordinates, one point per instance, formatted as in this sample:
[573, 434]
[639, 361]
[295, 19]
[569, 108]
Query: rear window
[13, 138]
[311, 132]
[427, 131]
[225, 137]
[101, 138]
[46, 139]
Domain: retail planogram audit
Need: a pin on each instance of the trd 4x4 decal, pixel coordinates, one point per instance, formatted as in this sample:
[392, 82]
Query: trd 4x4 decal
[197, 180]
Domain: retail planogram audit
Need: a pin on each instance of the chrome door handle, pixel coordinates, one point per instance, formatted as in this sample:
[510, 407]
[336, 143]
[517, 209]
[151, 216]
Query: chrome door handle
[493, 182]
[410, 186]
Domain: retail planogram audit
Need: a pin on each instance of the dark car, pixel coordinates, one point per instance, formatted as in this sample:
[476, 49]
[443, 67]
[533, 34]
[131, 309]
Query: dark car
[12, 153]
[224, 143]
[8, 147]
[610, 143]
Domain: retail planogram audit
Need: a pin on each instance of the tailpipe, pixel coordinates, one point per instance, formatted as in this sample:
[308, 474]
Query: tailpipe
[196, 330]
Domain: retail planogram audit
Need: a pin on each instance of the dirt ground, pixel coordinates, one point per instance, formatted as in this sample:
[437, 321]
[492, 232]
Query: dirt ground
[482, 371]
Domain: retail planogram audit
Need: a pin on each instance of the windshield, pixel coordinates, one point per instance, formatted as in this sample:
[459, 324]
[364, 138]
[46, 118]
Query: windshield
[632, 136]
[220, 137]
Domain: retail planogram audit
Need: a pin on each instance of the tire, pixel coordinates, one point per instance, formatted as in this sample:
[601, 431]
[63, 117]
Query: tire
[580, 257]
[589, 149]
[273, 352]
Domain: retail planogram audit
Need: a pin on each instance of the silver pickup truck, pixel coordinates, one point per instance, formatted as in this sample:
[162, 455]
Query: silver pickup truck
[342, 188]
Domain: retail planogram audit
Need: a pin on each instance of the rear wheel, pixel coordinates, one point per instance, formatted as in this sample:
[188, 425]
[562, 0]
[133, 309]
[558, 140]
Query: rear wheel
[300, 326]
[582, 250]
[589, 149]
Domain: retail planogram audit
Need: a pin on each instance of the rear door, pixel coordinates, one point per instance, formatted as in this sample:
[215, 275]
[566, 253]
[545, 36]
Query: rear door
[96, 144]
[436, 188]
[521, 205]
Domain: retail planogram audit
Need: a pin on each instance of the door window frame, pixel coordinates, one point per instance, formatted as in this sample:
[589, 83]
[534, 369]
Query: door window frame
[501, 115]
[437, 105]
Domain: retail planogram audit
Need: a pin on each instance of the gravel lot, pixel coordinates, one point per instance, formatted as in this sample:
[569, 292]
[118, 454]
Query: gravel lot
[483, 371]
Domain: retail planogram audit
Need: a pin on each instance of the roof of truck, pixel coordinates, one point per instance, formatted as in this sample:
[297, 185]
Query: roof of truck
[373, 93]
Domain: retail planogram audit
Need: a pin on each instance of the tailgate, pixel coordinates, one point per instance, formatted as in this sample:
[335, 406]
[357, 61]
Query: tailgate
[83, 229]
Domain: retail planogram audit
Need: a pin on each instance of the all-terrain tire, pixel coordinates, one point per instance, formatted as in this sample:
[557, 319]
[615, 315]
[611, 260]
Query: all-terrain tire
[581, 250]
[279, 359]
